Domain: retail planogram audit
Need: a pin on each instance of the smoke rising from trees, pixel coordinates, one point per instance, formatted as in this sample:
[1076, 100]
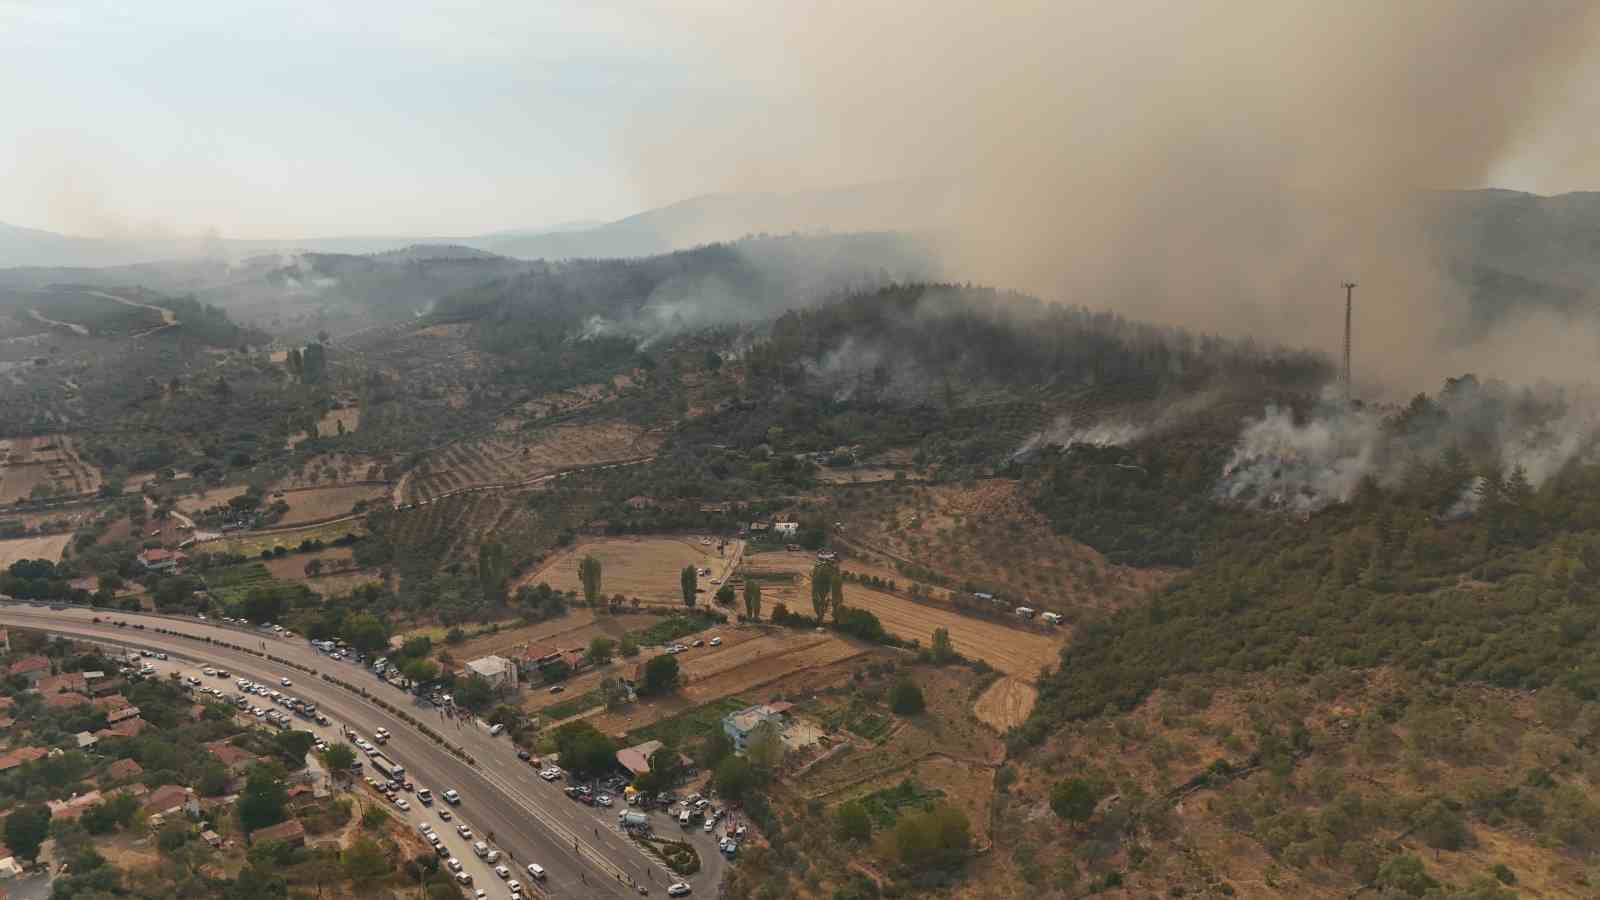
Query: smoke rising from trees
[1221, 166]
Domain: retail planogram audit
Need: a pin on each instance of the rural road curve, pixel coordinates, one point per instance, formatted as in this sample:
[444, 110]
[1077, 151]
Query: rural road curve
[533, 821]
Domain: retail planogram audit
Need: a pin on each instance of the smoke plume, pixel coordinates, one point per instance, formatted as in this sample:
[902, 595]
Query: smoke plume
[1302, 464]
[1222, 166]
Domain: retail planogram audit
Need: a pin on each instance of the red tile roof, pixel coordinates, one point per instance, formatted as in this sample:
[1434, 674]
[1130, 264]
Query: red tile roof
[66, 681]
[166, 797]
[123, 769]
[130, 728]
[21, 755]
[71, 809]
[30, 664]
[228, 754]
[63, 701]
[115, 701]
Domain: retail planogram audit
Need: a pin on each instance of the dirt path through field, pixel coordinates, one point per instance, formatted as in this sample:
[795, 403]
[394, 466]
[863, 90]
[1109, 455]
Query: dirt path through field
[1005, 704]
[76, 329]
[168, 317]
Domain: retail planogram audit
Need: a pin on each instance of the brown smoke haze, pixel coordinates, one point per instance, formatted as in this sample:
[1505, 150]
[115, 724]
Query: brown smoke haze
[1222, 166]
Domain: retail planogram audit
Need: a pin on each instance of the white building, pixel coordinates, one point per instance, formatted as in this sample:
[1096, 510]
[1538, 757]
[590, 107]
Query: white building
[497, 670]
[786, 529]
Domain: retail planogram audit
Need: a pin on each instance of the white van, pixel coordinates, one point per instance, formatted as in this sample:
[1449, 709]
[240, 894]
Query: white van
[495, 729]
[684, 818]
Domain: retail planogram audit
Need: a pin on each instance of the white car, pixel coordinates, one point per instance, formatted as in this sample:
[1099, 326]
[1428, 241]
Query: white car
[679, 889]
[603, 799]
[401, 804]
[464, 831]
[454, 864]
[285, 682]
[536, 871]
[515, 887]
[258, 712]
[444, 814]
[502, 871]
[716, 642]
[425, 828]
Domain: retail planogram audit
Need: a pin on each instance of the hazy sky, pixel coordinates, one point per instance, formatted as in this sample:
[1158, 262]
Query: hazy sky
[266, 118]
[259, 118]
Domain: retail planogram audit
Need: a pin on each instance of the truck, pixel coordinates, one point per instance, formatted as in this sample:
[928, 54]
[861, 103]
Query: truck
[388, 768]
[1051, 618]
[630, 819]
[1024, 612]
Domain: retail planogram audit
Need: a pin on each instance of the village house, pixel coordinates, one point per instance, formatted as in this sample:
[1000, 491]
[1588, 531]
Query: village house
[160, 559]
[115, 701]
[786, 529]
[290, 832]
[86, 741]
[121, 714]
[14, 758]
[126, 728]
[32, 668]
[167, 799]
[497, 670]
[124, 769]
[741, 724]
[59, 684]
[232, 758]
[636, 759]
[72, 808]
[105, 686]
[5, 641]
[64, 701]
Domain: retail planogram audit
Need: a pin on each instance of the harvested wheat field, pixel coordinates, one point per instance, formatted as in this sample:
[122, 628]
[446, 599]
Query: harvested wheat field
[317, 504]
[643, 567]
[731, 670]
[1005, 704]
[1011, 650]
[570, 632]
[514, 459]
[47, 547]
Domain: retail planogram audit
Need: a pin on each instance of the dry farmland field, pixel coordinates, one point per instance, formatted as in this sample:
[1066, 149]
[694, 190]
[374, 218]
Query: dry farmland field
[332, 468]
[643, 567]
[214, 497]
[512, 459]
[316, 504]
[1014, 651]
[294, 565]
[715, 672]
[986, 532]
[49, 461]
[47, 547]
[572, 631]
[1005, 704]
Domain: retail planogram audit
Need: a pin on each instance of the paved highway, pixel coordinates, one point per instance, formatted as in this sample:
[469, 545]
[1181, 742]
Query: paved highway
[584, 854]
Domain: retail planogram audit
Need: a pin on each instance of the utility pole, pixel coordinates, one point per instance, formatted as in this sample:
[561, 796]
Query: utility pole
[1349, 290]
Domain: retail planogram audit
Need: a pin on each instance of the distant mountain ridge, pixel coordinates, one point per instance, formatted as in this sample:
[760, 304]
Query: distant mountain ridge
[691, 222]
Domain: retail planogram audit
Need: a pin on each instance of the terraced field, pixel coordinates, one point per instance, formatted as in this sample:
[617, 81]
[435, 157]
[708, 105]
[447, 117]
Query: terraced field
[513, 460]
[50, 462]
